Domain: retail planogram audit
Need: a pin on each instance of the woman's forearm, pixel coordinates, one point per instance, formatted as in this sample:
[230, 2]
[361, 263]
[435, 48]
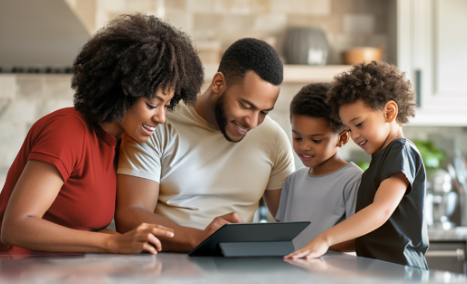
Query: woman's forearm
[38, 234]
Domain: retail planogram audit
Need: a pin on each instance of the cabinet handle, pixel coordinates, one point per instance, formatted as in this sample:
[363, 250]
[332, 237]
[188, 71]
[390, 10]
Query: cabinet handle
[418, 90]
[459, 253]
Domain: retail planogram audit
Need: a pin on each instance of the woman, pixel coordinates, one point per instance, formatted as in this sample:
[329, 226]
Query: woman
[60, 191]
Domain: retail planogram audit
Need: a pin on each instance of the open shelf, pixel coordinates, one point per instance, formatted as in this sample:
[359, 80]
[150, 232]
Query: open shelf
[296, 73]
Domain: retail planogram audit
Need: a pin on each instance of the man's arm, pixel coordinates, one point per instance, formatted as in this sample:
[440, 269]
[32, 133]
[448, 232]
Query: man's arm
[272, 198]
[136, 202]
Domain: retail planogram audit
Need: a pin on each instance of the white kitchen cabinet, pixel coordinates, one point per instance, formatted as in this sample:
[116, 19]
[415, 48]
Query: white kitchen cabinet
[432, 50]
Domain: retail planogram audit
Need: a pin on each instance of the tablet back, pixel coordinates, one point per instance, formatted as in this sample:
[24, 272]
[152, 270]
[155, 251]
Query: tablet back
[249, 233]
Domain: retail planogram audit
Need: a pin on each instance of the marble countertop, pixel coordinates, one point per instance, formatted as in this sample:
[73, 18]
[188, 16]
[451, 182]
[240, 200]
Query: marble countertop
[456, 234]
[179, 268]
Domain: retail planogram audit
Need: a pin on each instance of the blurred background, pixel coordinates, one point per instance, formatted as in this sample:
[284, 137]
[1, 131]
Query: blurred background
[317, 39]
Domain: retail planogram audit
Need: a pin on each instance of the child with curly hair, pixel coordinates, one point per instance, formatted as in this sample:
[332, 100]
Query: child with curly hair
[373, 101]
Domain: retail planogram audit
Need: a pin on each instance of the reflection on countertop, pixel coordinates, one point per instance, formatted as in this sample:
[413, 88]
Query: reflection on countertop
[179, 268]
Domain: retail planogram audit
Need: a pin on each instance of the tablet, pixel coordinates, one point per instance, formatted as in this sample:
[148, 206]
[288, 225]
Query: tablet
[251, 239]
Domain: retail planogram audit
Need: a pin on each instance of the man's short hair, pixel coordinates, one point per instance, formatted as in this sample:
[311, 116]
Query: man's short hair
[251, 54]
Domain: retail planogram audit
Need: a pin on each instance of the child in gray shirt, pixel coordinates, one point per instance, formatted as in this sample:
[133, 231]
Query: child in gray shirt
[324, 192]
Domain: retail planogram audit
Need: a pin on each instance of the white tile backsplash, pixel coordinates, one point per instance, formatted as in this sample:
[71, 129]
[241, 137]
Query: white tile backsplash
[29, 87]
[57, 86]
[21, 111]
[270, 23]
[306, 7]
[12, 135]
[7, 86]
[358, 23]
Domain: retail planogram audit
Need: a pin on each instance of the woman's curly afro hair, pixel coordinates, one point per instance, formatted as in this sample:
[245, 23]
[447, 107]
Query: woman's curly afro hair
[311, 101]
[375, 83]
[131, 57]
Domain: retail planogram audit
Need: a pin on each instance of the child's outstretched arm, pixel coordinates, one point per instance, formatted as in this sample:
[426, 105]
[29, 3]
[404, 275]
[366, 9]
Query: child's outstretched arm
[387, 198]
[346, 246]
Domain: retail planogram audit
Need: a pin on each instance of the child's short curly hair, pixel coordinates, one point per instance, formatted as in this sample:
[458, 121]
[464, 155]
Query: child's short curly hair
[131, 57]
[375, 83]
[311, 101]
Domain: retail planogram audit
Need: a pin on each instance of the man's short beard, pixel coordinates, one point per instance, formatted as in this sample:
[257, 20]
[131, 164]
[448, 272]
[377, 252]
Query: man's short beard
[221, 119]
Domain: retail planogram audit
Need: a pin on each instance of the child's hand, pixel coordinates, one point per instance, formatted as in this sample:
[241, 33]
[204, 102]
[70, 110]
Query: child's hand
[314, 249]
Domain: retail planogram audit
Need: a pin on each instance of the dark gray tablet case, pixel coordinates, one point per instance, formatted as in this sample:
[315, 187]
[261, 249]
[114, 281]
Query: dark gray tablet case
[251, 239]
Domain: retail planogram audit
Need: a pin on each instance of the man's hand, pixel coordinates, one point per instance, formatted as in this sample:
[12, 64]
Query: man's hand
[218, 222]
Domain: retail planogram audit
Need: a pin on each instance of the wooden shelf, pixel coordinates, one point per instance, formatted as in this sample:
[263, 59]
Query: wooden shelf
[296, 73]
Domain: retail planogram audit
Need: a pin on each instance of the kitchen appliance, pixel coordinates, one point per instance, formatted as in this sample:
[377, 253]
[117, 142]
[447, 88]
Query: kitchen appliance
[460, 169]
[441, 200]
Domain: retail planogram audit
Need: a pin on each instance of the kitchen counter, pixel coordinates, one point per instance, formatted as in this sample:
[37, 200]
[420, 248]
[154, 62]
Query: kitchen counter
[179, 268]
[456, 234]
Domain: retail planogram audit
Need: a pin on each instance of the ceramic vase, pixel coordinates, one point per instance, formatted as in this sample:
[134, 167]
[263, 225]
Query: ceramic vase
[306, 45]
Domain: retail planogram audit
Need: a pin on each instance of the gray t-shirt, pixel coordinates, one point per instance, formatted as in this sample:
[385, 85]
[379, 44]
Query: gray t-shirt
[323, 200]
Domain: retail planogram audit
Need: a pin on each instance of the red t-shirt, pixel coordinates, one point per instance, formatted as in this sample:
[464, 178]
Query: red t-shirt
[84, 156]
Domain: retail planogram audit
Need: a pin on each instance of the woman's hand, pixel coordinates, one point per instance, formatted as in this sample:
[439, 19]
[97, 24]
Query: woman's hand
[142, 238]
[314, 249]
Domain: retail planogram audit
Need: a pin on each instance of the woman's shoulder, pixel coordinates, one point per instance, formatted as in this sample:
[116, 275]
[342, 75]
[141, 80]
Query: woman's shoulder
[63, 115]
[65, 121]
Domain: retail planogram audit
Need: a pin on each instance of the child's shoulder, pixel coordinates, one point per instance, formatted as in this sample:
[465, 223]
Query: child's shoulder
[301, 172]
[402, 145]
[352, 168]
[349, 172]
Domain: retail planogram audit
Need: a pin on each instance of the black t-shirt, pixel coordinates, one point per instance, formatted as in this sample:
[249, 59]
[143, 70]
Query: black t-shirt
[403, 239]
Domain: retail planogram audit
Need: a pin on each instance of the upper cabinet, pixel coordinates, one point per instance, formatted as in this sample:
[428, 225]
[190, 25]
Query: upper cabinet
[432, 50]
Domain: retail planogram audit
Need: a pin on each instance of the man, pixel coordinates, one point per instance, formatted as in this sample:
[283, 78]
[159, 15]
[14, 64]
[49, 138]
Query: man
[209, 160]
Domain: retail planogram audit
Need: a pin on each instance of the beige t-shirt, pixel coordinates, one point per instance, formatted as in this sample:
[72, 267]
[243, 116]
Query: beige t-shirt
[201, 174]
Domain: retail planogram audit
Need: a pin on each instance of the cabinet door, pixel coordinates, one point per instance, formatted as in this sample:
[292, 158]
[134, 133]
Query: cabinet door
[432, 45]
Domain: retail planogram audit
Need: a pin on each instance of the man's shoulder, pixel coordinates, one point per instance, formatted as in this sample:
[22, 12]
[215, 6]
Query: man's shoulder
[269, 129]
[179, 116]
[270, 124]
